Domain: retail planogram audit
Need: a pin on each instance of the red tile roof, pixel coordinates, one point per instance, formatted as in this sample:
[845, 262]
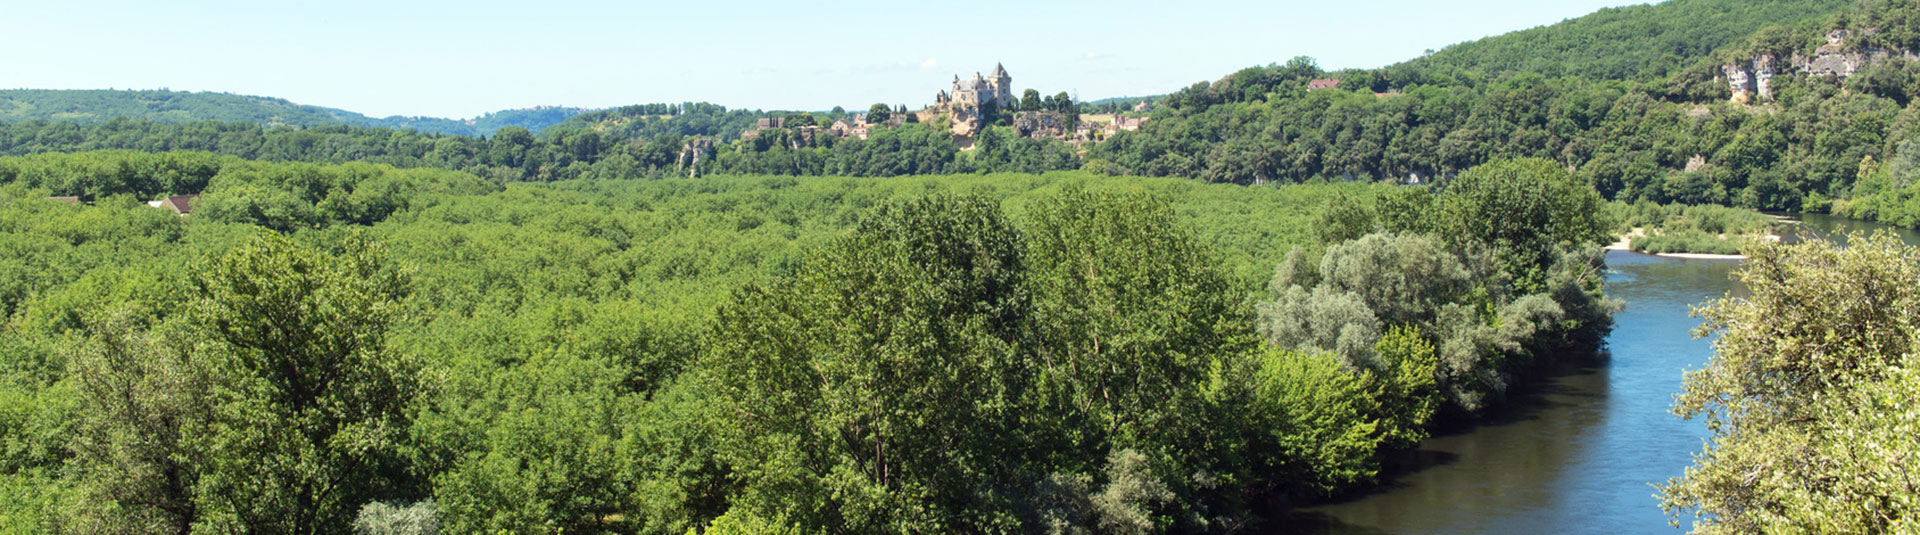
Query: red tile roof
[1323, 83]
[181, 204]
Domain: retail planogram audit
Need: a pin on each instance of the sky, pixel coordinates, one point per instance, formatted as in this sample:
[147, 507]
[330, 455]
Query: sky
[463, 59]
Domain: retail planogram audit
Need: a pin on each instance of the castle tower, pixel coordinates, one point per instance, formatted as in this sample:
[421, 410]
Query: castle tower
[1002, 84]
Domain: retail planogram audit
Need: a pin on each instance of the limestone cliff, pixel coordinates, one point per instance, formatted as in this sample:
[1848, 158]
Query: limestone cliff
[1751, 81]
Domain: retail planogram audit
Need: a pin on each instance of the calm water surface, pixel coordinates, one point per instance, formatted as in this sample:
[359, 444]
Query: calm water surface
[1581, 452]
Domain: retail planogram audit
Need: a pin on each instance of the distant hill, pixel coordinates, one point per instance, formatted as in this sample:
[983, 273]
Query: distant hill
[646, 121]
[100, 105]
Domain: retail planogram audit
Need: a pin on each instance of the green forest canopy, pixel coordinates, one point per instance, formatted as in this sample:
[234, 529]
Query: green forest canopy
[577, 355]
[507, 333]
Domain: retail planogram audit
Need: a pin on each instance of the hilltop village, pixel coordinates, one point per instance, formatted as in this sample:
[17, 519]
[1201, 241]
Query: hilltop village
[967, 107]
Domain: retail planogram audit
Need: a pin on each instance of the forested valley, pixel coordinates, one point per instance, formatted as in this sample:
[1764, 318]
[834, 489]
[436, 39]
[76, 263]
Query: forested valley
[1255, 302]
[319, 345]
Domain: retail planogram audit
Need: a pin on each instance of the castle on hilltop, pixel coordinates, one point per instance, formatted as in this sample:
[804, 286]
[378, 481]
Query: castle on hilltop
[979, 91]
[962, 104]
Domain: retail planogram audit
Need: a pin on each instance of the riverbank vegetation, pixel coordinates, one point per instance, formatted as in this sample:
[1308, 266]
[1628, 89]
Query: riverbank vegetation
[319, 347]
[1503, 267]
[1809, 395]
[1674, 228]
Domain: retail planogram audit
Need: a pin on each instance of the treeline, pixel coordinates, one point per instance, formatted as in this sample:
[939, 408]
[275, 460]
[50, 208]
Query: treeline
[1654, 132]
[1010, 353]
[280, 196]
[516, 155]
[1632, 136]
[649, 121]
[162, 106]
[1628, 143]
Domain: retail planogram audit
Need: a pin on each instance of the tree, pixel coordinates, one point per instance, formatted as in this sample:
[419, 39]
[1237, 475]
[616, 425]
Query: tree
[1529, 211]
[1342, 218]
[1406, 389]
[879, 113]
[380, 518]
[142, 399]
[1030, 100]
[510, 146]
[1131, 311]
[882, 375]
[1808, 394]
[309, 399]
[1321, 320]
[1359, 289]
[1403, 279]
[1318, 419]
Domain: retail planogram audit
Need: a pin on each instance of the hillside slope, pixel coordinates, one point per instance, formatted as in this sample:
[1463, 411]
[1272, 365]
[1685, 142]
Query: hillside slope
[1626, 43]
[160, 106]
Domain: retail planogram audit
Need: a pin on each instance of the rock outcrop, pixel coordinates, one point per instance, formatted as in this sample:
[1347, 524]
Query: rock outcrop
[1042, 124]
[1752, 81]
[692, 153]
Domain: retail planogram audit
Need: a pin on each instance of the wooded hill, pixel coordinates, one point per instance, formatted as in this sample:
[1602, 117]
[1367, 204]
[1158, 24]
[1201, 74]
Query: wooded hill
[162, 106]
[1643, 42]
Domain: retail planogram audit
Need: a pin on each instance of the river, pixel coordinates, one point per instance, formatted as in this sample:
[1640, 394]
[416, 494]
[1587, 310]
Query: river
[1580, 451]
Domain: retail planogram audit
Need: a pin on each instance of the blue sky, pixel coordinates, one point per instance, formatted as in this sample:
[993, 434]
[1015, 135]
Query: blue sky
[460, 59]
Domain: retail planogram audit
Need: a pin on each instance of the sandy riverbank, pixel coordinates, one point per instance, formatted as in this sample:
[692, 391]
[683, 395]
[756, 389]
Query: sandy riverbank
[1623, 244]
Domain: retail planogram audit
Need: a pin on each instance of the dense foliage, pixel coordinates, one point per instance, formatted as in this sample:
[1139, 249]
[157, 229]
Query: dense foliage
[1638, 42]
[649, 121]
[382, 330]
[1809, 395]
[408, 350]
[1667, 135]
[1499, 267]
[571, 152]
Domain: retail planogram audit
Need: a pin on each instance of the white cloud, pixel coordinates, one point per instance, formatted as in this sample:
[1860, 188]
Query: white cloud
[929, 64]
